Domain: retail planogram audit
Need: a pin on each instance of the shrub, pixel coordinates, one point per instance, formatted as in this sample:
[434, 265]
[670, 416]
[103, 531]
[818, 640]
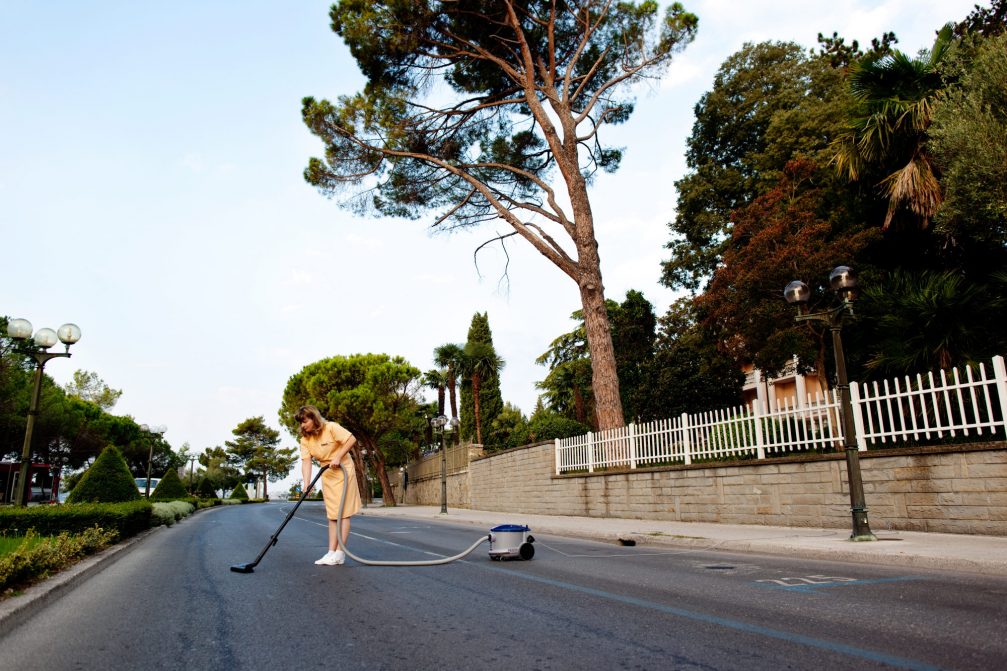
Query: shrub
[239, 492]
[107, 481]
[205, 489]
[35, 559]
[170, 487]
[169, 512]
[127, 519]
[552, 425]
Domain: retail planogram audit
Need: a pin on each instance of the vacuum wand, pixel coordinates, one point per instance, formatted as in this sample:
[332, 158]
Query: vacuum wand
[250, 566]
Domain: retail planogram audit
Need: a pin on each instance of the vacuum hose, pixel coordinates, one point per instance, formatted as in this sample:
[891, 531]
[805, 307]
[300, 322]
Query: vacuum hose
[372, 562]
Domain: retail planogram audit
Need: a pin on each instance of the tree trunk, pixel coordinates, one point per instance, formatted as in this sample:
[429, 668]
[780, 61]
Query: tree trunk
[604, 375]
[265, 484]
[475, 408]
[387, 495]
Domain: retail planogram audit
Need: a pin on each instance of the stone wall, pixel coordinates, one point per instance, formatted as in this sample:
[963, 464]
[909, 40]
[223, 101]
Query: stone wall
[956, 489]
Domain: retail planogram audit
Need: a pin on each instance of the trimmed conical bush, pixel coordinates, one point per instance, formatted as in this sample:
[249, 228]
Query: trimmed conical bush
[239, 492]
[205, 489]
[170, 487]
[108, 480]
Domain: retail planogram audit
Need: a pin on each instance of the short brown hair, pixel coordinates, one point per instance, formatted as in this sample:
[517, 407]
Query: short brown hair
[310, 411]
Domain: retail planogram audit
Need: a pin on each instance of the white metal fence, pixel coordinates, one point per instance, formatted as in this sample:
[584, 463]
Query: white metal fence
[927, 408]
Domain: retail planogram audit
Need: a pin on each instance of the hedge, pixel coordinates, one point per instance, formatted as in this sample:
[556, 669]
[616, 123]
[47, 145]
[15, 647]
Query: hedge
[127, 519]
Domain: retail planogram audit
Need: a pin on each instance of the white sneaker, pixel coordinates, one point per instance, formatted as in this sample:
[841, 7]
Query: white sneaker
[326, 558]
[332, 558]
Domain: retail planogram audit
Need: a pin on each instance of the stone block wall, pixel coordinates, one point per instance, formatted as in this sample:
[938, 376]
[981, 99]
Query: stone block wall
[956, 489]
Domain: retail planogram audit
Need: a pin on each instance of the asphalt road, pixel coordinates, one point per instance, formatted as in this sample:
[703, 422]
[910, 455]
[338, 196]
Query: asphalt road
[172, 603]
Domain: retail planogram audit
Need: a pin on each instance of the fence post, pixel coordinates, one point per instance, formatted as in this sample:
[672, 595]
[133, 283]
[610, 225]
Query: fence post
[760, 449]
[858, 416]
[590, 452]
[632, 444]
[1000, 375]
[558, 467]
[686, 439]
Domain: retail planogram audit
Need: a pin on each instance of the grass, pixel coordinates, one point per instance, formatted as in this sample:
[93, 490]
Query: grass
[8, 544]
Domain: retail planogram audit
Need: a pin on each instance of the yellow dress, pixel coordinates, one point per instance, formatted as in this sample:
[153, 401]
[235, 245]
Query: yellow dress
[322, 447]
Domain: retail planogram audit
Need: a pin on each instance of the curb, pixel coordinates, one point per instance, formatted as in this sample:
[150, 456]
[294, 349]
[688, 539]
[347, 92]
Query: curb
[854, 553]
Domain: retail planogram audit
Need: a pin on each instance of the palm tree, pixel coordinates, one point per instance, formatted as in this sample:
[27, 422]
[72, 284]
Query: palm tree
[437, 379]
[448, 357]
[480, 363]
[895, 95]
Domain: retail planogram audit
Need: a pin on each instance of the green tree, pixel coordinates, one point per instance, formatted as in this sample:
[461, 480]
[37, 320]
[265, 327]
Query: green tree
[108, 480]
[771, 103]
[87, 386]
[894, 98]
[527, 88]
[256, 449]
[567, 388]
[375, 396]
[448, 357]
[437, 380]
[480, 372]
[219, 472]
[968, 140]
[239, 492]
[912, 322]
[509, 429]
[688, 372]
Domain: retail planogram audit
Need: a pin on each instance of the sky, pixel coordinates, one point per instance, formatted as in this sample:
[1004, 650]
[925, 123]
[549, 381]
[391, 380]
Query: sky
[151, 191]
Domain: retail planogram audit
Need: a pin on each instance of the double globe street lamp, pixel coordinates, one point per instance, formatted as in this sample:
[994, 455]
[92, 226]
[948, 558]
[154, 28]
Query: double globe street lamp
[844, 283]
[440, 422]
[21, 329]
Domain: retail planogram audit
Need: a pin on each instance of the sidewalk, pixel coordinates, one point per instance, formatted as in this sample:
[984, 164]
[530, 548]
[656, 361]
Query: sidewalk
[974, 554]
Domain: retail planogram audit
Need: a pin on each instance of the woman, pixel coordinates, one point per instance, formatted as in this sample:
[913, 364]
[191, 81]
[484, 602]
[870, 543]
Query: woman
[329, 443]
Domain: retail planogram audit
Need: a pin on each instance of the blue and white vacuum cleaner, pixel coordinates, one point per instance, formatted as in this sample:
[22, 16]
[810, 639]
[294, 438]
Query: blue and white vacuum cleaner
[508, 541]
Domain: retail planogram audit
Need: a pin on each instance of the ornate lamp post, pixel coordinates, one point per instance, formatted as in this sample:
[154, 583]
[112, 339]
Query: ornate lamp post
[21, 329]
[844, 282]
[438, 422]
[158, 430]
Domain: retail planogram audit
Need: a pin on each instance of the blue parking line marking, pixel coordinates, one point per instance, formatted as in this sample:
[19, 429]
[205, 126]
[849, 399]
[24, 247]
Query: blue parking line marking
[813, 587]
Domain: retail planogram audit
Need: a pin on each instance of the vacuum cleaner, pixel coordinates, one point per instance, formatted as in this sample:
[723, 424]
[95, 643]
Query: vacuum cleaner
[507, 541]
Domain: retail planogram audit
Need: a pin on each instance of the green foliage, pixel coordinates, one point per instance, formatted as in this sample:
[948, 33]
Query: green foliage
[915, 322]
[730, 155]
[170, 487]
[127, 519]
[453, 118]
[239, 492]
[205, 489]
[256, 450]
[509, 429]
[169, 512]
[968, 139]
[35, 559]
[688, 372]
[88, 386]
[480, 389]
[374, 396]
[549, 425]
[108, 480]
[894, 97]
[567, 388]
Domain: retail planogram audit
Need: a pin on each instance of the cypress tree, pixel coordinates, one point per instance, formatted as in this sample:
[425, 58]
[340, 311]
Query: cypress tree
[490, 399]
[238, 492]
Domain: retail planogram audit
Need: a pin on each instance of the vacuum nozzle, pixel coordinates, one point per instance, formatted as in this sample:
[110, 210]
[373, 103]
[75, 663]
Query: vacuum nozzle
[243, 568]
